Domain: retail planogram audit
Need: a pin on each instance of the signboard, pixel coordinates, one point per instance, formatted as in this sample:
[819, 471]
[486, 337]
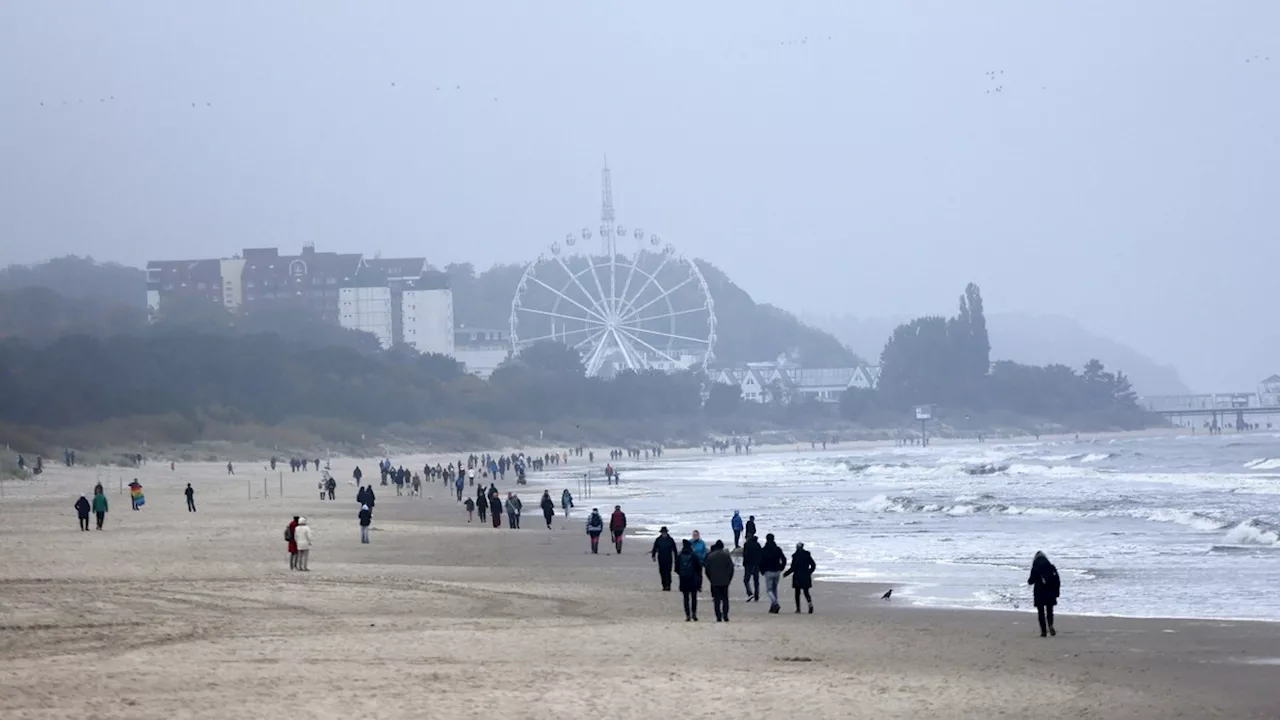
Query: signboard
[924, 412]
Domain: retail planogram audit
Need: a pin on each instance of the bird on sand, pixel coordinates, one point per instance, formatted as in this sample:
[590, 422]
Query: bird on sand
[887, 593]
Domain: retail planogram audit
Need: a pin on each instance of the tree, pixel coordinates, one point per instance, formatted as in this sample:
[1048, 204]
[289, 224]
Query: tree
[723, 400]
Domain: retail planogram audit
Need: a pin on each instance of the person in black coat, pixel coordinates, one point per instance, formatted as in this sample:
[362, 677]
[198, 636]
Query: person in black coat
[689, 567]
[1044, 578]
[495, 508]
[801, 572]
[751, 554]
[82, 511]
[772, 563]
[366, 517]
[750, 530]
[664, 553]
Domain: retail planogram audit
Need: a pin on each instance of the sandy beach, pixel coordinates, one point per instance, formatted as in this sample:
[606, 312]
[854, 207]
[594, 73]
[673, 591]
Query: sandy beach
[171, 614]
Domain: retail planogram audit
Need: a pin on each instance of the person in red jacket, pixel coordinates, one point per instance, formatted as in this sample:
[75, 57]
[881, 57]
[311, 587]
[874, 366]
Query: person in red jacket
[617, 525]
[293, 545]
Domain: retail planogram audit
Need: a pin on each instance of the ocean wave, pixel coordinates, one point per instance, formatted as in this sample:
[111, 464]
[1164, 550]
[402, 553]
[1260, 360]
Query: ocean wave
[1254, 532]
[1263, 464]
[983, 505]
[1097, 457]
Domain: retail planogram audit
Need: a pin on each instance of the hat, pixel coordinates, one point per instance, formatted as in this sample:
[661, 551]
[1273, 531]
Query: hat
[663, 530]
[302, 521]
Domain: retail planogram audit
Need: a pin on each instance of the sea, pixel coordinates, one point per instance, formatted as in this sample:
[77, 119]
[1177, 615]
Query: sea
[1175, 527]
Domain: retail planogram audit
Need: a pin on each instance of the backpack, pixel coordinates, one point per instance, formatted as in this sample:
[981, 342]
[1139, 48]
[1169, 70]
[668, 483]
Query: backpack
[685, 566]
[288, 533]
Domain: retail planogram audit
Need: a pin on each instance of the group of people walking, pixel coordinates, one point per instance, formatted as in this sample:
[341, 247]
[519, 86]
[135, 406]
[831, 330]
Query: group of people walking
[694, 561]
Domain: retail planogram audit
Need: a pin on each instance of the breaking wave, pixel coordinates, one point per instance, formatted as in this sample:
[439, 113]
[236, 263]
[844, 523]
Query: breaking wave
[1254, 532]
[985, 505]
[1263, 464]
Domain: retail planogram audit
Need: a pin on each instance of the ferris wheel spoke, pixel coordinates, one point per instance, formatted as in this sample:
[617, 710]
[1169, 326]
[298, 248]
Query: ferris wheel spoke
[590, 338]
[574, 318]
[557, 335]
[652, 278]
[561, 295]
[626, 285]
[699, 309]
[671, 336]
[665, 294]
[636, 338]
[607, 300]
[597, 355]
[634, 358]
[601, 312]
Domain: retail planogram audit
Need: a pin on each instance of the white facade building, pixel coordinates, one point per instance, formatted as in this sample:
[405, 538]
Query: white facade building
[481, 350]
[426, 320]
[785, 381]
[367, 309]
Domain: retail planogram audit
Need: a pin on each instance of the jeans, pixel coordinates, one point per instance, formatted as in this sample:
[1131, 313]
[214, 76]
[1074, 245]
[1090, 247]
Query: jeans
[617, 542]
[303, 557]
[664, 573]
[771, 578]
[737, 535]
[512, 522]
[191, 505]
[364, 534]
[101, 516]
[690, 604]
[750, 577]
[293, 560]
[720, 600]
[1045, 614]
[595, 543]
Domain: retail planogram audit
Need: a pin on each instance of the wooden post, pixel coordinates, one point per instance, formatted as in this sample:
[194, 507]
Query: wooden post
[281, 483]
[248, 485]
[264, 488]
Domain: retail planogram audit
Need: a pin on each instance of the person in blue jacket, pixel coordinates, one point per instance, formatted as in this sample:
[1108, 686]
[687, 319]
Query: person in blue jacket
[736, 524]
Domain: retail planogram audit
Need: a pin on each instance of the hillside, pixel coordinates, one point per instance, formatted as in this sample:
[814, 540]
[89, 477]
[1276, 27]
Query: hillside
[1026, 339]
[72, 295]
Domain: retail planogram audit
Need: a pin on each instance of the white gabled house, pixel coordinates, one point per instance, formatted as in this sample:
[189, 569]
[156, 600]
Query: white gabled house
[760, 382]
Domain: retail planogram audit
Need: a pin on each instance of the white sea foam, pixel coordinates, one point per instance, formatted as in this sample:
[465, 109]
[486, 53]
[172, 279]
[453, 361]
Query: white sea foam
[1253, 532]
[1263, 464]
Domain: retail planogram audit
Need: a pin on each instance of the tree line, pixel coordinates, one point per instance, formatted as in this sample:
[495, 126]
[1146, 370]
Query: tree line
[946, 362]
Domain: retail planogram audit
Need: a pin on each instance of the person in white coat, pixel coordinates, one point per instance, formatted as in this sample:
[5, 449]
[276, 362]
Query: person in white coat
[302, 538]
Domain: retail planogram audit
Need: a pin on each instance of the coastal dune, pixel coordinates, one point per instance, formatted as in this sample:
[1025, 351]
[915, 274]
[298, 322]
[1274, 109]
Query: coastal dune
[196, 615]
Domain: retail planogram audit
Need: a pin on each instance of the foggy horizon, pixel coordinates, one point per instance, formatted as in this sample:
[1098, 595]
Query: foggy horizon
[831, 158]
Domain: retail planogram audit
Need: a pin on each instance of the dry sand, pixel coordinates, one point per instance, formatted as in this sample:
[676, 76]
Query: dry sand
[168, 614]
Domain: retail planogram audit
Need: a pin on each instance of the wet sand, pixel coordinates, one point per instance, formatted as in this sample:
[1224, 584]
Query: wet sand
[171, 614]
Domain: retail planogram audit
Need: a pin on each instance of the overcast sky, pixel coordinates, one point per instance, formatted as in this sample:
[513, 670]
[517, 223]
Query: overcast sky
[830, 156]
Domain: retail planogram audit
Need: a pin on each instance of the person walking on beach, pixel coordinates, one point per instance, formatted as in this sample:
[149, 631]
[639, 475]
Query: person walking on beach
[595, 526]
[689, 568]
[750, 529]
[292, 542]
[191, 498]
[719, 569]
[231, 470]
[1046, 583]
[357, 475]
[330, 483]
[82, 512]
[751, 553]
[801, 572]
[458, 485]
[617, 526]
[302, 537]
[99, 505]
[366, 518]
[664, 552]
[566, 502]
[482, 504]
[495, 508]
[699, 547]
[548, 507]
[772, 563]
[736, 524]
[470, 505]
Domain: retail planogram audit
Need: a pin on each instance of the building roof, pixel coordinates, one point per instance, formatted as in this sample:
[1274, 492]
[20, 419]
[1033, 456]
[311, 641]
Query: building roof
[823, 377]
[1272, 380]
[398, 267]
[177, 272]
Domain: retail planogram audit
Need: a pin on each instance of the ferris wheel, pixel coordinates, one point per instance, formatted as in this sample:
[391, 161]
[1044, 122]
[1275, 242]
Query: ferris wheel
[647, 309]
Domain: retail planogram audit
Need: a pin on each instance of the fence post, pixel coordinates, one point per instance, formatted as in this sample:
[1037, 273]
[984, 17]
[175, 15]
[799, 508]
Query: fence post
[281, 483]
[264, 488]
[248, 486]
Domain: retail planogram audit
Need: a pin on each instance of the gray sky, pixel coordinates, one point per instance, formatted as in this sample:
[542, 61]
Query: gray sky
[1123, 176]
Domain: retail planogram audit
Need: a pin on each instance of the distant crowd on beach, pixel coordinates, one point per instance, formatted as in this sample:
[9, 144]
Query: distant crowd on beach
[689, 564]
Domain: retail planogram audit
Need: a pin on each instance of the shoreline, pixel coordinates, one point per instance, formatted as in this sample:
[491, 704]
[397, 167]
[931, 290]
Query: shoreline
[169, 613]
